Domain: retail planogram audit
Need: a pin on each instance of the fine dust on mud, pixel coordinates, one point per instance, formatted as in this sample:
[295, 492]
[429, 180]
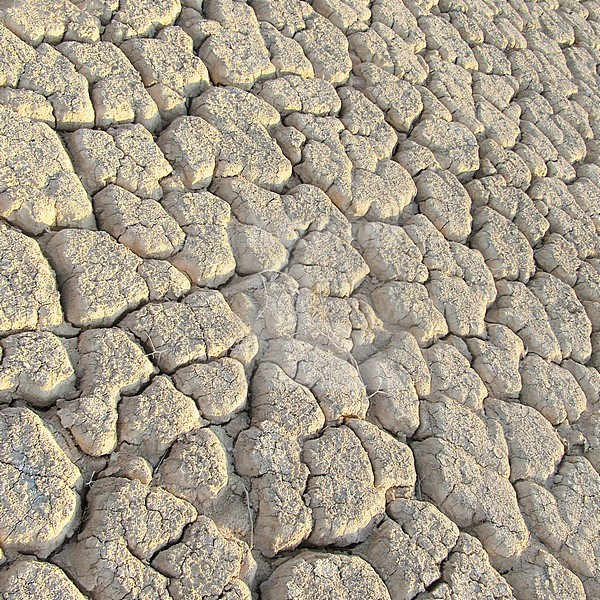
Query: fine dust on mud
[299, 300]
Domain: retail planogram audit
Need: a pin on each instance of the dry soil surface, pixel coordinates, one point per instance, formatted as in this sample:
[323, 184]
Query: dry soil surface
[299, 300]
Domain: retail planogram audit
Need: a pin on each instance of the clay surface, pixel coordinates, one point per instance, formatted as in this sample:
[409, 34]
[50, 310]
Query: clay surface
[299, 299]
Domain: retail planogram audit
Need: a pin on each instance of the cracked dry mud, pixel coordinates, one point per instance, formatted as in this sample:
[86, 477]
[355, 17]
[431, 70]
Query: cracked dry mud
[300, 299]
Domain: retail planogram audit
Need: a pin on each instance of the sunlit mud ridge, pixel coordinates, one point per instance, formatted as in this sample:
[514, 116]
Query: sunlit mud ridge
[299, 300]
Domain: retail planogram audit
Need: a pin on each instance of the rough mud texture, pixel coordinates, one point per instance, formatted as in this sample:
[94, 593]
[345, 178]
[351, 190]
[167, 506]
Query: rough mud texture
[299, 299]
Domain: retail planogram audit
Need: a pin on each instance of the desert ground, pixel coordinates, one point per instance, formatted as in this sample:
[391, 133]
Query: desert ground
[299, 300]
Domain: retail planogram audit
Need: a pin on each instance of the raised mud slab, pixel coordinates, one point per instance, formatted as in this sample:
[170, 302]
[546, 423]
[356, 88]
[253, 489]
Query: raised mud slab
[299, 300]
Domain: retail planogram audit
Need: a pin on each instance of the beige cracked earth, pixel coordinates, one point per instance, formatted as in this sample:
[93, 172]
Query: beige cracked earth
[299, 300]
